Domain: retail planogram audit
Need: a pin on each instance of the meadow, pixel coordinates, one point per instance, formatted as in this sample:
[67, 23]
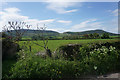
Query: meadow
[54, 44]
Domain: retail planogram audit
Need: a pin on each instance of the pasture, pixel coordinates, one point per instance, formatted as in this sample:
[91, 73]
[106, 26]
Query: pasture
[54, 44]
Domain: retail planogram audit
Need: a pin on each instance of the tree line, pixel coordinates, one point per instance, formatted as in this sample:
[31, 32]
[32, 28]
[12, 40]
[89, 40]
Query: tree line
[97, 36]
[74, 37]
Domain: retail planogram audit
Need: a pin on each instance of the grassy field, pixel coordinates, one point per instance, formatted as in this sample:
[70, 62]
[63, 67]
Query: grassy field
[54, 44]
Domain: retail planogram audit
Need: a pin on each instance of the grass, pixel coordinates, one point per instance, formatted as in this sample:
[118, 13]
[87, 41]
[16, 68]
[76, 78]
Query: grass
[6, 66]
[54, 44]
[114, 36]
[100, 61]
[25, 38]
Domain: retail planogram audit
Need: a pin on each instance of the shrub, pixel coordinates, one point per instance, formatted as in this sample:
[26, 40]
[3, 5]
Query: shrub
[105, 36]
[9, 49]
[97, 58]
[103, 60]
[78, 51]
[69, 51]
[89, 59]
[37, 67]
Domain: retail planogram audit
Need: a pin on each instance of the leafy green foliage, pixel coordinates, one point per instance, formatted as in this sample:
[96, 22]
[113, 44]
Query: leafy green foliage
[78, 51]
[69, 51]
[9, 48]
[99, 61]
[85, 61]
[103, 59]
[98, 58]
[105, 36]
[6, 67]
[96, 35]
[54, 44]
[37, 67]
[71, 37]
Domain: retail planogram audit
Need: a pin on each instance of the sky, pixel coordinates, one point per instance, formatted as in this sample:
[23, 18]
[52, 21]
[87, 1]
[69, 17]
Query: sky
[63, 16]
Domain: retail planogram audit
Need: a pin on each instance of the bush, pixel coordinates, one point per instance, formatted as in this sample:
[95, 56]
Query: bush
[69, 51]
[105, 36]
[99, 58]
[99, 61]
[103, 59]
[91, 59]
[76, 51]
[9, 49]
[37, 67]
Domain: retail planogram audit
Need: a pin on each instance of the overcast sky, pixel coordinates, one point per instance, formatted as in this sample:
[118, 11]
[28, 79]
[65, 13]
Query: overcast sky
[63, 16]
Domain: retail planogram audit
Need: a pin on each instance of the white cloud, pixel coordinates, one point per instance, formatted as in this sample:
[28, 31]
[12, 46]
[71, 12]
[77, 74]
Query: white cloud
[87, 25]
[63, 21]
[2, 4]
[61, 6]
[112, 25]
[61, 30]
[69, 11]
[115, 12]
[56, 29]
[12, 10]
[13, 14]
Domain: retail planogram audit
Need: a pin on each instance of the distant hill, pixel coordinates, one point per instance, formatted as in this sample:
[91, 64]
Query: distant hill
[90, 32]
[46, 32]
[30, 33]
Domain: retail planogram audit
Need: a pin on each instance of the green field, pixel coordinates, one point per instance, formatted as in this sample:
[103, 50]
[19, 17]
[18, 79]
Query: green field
[54, 44]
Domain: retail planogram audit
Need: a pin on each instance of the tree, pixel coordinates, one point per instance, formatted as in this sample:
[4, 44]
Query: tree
[15, 29]
[96, 35]
[86, 36]
[91, 36]
[105, 36]
[45, 40]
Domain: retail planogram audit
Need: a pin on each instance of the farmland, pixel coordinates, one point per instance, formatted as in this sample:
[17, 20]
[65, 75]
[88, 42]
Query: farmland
[64, 56]
[60, 40]
[52, 64]
[72, 55]
[48, 62]
[54, 44]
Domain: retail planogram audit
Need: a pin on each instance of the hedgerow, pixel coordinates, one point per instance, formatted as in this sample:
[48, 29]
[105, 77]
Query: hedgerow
[99, 61]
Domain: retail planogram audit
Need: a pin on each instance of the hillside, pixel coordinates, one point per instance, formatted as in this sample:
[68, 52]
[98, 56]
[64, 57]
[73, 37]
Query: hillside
[90, 32]
[30, 33]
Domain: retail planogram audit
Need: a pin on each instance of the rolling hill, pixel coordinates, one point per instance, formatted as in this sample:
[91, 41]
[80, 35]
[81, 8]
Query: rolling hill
[90, 32]
[31, 33]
